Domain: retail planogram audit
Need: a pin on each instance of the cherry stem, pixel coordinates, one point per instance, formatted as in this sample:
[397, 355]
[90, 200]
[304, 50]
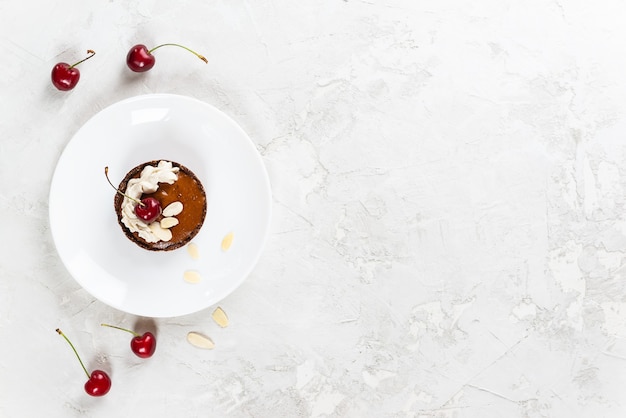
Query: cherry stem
[184, 47]
[106, 174]
[89, 51]
[75, 352]
[121, 329]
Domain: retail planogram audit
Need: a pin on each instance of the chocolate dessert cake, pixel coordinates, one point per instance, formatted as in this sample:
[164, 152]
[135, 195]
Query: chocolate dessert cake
[182, 201]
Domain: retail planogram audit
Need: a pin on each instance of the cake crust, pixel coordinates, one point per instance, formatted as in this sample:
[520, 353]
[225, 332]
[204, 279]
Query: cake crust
[187, 189]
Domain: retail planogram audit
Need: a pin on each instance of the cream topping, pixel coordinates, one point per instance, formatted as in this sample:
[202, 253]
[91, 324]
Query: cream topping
[147, 182]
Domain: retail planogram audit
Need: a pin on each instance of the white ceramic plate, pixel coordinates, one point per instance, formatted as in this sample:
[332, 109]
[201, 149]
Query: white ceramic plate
[83, 222]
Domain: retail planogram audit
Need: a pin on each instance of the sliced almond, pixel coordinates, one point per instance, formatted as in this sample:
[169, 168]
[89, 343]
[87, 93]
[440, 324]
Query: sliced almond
[173, 209]
[220, 318]
[192, 276]
[193, 251]
[160, 233]
[201, 341]
[227, 241]
[168, 222]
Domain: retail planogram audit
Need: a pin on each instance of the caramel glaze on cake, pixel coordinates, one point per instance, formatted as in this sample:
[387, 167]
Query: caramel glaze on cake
[187, 189]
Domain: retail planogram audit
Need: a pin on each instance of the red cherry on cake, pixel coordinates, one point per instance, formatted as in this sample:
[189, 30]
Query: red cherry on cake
[98, 382]
[140, 59]
[147, 209]
[65, 76]
[142, 345]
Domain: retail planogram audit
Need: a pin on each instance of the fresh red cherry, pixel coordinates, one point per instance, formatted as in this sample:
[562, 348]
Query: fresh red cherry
[65, 76]
[98, 383]
[148, 210]
[140, 59]
[142, 345]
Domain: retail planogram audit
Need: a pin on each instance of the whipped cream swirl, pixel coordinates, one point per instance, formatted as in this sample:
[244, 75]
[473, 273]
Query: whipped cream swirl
[147, 182]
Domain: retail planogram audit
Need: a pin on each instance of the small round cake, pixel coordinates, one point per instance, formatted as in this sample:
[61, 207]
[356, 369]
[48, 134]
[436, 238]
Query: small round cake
[182, 199]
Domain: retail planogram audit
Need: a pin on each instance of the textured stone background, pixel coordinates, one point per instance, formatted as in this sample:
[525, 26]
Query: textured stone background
[448, 236]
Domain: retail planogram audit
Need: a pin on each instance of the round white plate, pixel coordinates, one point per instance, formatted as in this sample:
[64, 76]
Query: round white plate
[83, 222]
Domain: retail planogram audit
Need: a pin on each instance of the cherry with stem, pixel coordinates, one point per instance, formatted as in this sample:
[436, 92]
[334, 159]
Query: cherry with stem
[98, 382]
[65, 76]
[142, 345]
[147, 209]
[140, 59]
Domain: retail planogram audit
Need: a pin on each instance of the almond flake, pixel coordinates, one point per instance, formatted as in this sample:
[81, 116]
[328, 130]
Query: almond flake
[160, 233]
[193, 251]
[201, 341]
[220, 318]
[192, 276]
[227, 241]
[173, 209]
[168, 222]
